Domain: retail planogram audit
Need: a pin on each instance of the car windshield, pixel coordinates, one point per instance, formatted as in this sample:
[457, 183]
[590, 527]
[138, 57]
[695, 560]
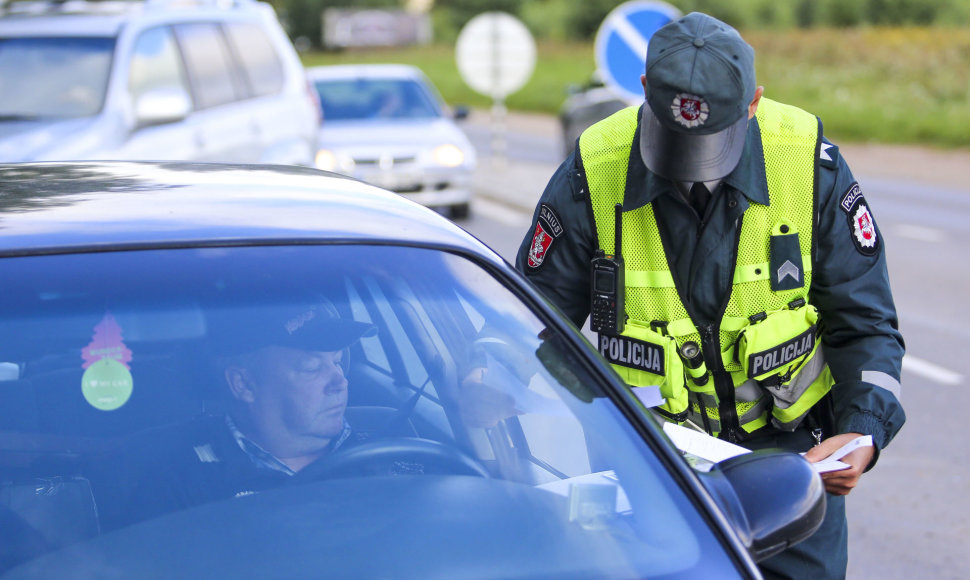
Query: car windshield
[53, 77]
[326, 411]
[360, 99]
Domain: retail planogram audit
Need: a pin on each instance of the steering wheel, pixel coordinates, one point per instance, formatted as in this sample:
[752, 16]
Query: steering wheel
[394, 456]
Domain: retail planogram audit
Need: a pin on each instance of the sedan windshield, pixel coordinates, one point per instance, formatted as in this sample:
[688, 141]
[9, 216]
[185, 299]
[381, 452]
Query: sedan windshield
[53, 77]
[359, 99]
[315, 411]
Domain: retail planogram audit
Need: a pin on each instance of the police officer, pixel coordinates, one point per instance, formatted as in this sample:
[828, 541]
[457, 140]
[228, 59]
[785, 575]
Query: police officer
[754, 287]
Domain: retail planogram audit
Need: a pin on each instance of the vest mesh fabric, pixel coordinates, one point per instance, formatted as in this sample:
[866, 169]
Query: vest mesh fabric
[789, 139]
[608, 146]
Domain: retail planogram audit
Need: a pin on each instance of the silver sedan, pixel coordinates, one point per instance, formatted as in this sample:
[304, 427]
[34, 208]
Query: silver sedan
[387, 125]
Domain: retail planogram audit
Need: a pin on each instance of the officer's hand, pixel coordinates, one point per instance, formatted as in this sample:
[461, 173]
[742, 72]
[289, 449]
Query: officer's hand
[843, 481]
[481, 405]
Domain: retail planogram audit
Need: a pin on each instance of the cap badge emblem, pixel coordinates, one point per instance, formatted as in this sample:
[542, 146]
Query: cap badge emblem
[297, 322]
[690, 110]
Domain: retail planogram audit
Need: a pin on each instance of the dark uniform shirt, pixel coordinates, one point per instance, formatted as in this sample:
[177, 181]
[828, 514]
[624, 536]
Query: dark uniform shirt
[176, 467]
[850, 283]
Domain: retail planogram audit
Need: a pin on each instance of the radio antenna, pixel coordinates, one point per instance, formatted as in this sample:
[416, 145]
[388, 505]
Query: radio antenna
[618, 229]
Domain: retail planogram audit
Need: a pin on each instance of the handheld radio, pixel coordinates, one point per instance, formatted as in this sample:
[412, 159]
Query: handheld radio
[607, 312]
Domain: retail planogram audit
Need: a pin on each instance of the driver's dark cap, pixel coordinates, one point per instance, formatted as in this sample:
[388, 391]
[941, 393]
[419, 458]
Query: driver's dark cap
[313, 326]
[700, 80]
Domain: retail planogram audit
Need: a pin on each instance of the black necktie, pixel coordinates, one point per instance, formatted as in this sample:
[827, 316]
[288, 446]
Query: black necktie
[699, 197]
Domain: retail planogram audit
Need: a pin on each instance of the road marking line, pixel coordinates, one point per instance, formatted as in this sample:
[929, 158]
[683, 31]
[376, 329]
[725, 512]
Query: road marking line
[501, 213]
[920, 233]
[931, 371]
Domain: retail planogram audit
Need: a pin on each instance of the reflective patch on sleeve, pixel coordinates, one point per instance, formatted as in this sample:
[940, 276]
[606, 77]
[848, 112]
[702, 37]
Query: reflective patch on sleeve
[547, 230]
[885, 381]
[861, 224]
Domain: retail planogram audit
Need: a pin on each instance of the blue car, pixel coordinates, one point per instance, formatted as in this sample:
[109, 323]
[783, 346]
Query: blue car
[276, 372]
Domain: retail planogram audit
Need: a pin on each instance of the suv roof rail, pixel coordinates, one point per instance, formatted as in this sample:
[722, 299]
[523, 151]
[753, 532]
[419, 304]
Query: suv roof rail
[37, 7]
[200, 3]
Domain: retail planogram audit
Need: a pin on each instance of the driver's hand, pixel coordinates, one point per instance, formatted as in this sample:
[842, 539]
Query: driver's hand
[481, 405]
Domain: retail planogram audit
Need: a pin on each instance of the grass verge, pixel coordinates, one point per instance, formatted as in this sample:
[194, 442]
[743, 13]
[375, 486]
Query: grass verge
[880, 85]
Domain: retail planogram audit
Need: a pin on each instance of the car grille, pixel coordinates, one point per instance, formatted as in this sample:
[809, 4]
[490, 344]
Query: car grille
[384, 162]
[397, 174]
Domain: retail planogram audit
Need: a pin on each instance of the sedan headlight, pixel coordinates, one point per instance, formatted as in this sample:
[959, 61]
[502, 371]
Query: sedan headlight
[448, 155]
[326, 160]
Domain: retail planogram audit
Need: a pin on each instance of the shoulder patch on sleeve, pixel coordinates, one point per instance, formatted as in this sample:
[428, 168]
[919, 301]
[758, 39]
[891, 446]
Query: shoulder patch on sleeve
[828, 154]
[861, 224]
[850, 197]
[548, 229]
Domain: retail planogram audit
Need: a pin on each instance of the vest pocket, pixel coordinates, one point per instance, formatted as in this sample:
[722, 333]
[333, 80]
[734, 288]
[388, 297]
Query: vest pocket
[772, 349]
[781, 352]
[644, 357]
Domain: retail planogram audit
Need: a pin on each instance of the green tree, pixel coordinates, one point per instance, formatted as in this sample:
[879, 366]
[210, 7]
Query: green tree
[903, 12]
[585, 17]
[457, 13]
[843, 13]
[304, 18]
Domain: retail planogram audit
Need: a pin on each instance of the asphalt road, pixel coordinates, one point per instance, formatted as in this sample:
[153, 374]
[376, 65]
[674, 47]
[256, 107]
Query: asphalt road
[910, 516]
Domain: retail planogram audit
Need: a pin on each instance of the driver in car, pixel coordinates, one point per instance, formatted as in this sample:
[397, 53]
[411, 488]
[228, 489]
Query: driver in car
[283, 372]
[288, 396]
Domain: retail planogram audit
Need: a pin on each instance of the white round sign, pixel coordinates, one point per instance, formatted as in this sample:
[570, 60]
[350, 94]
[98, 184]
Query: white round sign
[496, 54]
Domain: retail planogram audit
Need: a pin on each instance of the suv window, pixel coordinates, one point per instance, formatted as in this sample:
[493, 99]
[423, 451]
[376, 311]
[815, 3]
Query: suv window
[261, 65]
[53, 77]
[155, 63]
[209, 64]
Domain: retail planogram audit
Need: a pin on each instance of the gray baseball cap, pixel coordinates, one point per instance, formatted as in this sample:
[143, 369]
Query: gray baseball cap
[699, 81]
[307, 325]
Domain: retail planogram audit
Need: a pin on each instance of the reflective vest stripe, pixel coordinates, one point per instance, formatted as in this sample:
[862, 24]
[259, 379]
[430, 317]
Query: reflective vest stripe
[813, 372]
[647, 279]
[759, 272]
[757, 415]
[742, 274]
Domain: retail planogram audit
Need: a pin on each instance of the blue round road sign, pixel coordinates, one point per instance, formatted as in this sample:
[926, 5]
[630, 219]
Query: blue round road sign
[621, 44]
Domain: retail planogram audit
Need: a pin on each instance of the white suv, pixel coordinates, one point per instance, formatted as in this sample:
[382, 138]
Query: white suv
[155, 80]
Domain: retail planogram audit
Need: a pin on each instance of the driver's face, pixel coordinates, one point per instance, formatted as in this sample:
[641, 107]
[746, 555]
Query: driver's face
[300, 395]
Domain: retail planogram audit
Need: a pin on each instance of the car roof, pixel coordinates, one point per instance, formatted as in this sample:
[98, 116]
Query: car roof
[107, 18]
[93, 206]
[355, 71]
[63, 25]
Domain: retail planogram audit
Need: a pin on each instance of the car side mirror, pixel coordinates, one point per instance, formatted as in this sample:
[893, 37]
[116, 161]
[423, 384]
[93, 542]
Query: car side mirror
[460, 112]
[162, 105]
[774, 499]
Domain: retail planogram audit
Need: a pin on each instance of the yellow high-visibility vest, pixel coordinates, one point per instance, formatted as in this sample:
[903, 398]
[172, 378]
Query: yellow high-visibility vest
[767, 341]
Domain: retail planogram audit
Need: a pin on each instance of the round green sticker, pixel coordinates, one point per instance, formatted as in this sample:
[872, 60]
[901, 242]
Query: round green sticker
[106, 384]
